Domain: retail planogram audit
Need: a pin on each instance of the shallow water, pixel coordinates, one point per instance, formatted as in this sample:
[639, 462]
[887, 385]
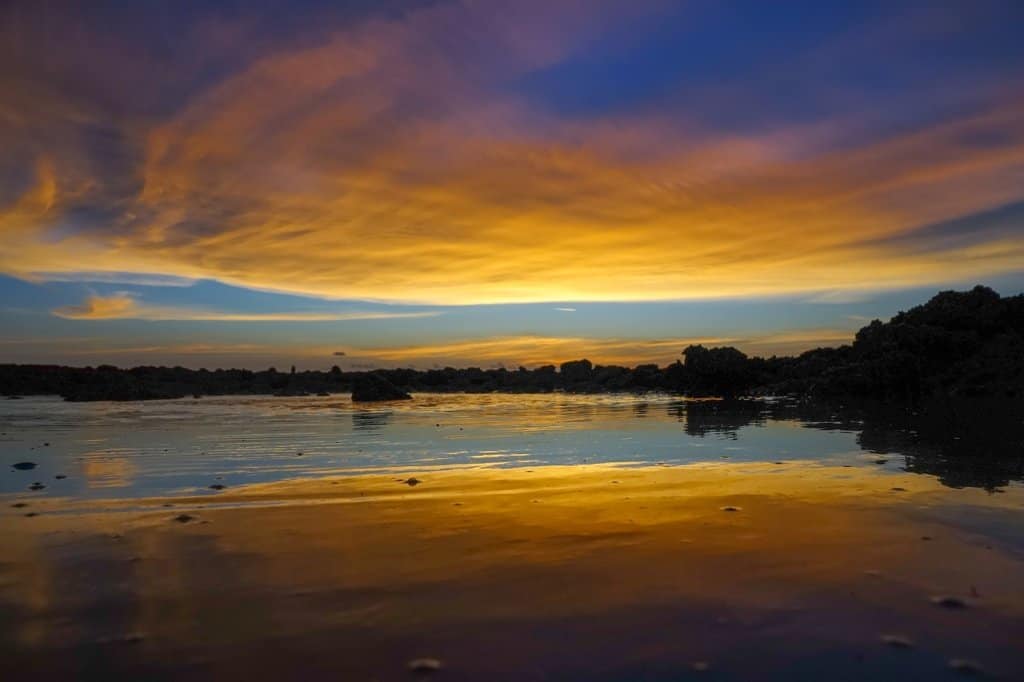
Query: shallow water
[548, 538]
[180, 447]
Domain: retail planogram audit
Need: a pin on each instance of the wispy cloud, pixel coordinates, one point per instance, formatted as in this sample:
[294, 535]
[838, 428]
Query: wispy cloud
[126, 307]
[392, 159]
[386, 161]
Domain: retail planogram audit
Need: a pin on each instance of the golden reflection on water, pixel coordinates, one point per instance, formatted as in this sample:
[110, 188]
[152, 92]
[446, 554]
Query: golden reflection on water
[587, 572]
[102, 470]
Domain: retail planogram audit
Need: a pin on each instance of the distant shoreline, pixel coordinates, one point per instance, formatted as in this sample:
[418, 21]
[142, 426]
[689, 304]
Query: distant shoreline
[957, 344]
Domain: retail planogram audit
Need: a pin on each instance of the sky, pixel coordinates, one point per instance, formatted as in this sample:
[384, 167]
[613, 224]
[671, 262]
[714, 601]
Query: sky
[380, 183]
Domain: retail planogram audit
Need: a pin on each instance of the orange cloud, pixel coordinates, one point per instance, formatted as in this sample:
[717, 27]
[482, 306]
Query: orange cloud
[100, 308]
[124, 307]
[377, 165]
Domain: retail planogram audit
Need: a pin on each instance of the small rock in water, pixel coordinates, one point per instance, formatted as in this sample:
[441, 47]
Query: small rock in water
[897, 641]
[730, 509]
[898, 490]
[60, 477]
[217, 486]
[881, 461]
[184, 518]
[298, 454]
[412, 482]
[24, 466]
[36, 486]
[962, 665]
[948, 602]
[424, 665]
[46, 445]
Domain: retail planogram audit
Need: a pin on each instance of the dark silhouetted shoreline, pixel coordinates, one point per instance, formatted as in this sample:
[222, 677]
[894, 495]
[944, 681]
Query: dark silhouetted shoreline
[957, 344]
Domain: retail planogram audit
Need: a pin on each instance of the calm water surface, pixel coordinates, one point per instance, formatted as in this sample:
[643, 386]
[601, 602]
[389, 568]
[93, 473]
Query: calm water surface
[547, 537]
[183, 446]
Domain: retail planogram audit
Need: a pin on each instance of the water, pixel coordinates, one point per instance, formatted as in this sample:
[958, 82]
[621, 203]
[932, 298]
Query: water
[548, 537]
[181, 447]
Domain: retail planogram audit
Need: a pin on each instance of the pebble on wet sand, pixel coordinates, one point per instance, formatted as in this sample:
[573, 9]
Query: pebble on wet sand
[36, 486]
[184, 518]
[948, 602]
[424, 665]
[412, 481]
[24, 466]
[130, 638]
[962, 665]
[217, 486]
[897, 641]
[730, 509]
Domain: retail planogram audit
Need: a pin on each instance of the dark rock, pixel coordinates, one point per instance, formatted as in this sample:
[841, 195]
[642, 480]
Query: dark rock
[424, 665]
[947, 602]
[965, 667]
[897, 641]
[730, 509]
[60, 477]
[36, 486]
[184, 518]
[412, 482]
[24, 466]
[375, 388]
[217, 486]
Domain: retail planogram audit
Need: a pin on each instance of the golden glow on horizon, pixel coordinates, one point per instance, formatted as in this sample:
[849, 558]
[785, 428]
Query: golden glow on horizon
[507, 351]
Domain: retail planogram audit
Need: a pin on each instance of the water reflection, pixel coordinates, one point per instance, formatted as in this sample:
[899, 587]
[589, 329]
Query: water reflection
[704, 417]
[369, 421]
[175, 447]
[565, 573]
[970, 443]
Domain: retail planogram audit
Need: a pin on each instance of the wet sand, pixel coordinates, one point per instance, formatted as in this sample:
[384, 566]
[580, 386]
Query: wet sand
[721, 571]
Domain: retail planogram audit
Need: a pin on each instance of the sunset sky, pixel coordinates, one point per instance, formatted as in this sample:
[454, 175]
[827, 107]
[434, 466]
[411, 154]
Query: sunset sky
[385, 183]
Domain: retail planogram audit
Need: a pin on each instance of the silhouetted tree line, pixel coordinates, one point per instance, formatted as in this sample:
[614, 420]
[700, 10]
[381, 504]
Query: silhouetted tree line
[958, 343]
